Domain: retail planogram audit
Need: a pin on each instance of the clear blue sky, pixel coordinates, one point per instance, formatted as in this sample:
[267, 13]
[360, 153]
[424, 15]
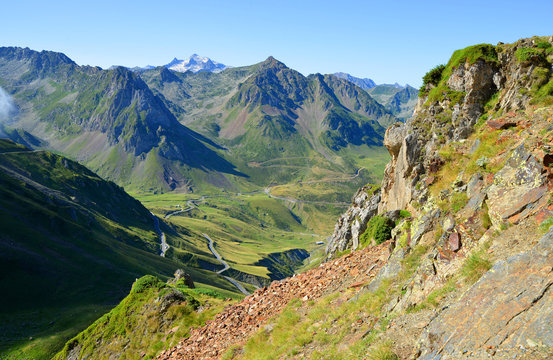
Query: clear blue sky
[387, 41]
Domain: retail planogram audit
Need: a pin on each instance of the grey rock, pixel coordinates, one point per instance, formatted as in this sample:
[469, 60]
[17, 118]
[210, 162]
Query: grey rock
[170, 298]
[423, 224]
[520, 312]
[351, 225]
[475, 184]
[475, 146]
[517, 187]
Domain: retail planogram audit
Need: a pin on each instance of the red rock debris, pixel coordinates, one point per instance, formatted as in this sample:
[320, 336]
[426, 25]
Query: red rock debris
[236, 323]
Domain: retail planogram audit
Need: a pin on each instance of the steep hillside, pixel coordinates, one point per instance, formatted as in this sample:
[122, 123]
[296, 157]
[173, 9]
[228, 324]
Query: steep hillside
[451, 257]
[161, 314]
[72, 243]
[109, 119]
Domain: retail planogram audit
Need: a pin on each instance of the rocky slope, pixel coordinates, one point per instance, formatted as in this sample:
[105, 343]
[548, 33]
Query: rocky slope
[472, 167]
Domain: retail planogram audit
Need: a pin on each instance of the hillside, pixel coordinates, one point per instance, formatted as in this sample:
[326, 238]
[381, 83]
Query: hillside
[72, 243]
[458, 232]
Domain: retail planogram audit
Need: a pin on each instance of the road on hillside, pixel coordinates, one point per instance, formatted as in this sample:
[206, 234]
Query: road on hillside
[226, 266]
[216, 254]
[163, 241]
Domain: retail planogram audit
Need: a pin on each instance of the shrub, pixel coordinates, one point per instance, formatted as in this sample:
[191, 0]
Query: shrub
[379, 228]
[543, 45]
[432, 77]
[404, 214]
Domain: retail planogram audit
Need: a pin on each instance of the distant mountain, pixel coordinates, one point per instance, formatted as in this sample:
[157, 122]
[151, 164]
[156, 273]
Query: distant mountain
[364, 84]
[196, 63]
[399, 100]
[136, 128]
[267, 111]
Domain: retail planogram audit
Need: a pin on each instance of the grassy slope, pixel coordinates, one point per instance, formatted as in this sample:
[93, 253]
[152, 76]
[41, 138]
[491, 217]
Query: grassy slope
[72, 245]
[146, 321]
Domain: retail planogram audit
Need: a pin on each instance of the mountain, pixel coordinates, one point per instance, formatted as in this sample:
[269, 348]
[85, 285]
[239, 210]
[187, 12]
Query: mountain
[135, 128]
[108, 119]
[364, 84]
[269, 111]
[399, 100]
[450, 258]
[195, 63]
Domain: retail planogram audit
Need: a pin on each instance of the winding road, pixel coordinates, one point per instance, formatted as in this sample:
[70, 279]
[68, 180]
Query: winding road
[226, 266]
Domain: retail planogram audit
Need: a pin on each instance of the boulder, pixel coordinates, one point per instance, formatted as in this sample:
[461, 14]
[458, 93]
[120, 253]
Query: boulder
[517, 188]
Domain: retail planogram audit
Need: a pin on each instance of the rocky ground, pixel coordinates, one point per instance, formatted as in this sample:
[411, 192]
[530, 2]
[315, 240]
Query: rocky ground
[239, 321]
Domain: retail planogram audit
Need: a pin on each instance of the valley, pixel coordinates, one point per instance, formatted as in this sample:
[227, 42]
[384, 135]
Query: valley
[333, 181]
[239, 173]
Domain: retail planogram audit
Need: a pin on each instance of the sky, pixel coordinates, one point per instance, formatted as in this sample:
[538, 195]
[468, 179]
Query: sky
[387, 41]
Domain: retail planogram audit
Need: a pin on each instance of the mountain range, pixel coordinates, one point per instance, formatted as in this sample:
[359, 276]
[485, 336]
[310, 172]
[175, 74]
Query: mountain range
[160, 130]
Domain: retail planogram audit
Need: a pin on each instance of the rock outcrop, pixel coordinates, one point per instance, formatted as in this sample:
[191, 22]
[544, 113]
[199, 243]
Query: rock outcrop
[508, 310]
[463, 189]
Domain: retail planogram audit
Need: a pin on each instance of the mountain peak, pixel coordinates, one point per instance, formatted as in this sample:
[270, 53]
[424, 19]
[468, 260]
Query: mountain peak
[271, 62]
[364, 84]
[196, 63]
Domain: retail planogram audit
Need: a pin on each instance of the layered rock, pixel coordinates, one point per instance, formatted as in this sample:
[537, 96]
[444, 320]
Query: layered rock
[518, 315]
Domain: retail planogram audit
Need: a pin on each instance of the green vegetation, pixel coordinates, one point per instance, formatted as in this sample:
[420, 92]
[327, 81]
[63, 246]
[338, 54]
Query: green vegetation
[475, 266]
[433, 77]
[528, 54]
[81, 242]
[379, 229]
[153, 317]
[546, 224]
[440, 74]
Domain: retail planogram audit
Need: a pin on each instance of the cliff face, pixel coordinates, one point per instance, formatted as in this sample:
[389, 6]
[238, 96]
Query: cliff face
[479, 82]
[472, 167]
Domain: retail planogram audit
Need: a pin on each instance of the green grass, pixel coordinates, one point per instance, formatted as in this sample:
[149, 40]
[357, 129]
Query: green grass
[81, 242]
[138, 328]
[475, 266]
[470, 55]
[245, 228]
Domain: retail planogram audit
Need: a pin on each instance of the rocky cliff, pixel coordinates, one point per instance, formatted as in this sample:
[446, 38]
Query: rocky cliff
[472, 170]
